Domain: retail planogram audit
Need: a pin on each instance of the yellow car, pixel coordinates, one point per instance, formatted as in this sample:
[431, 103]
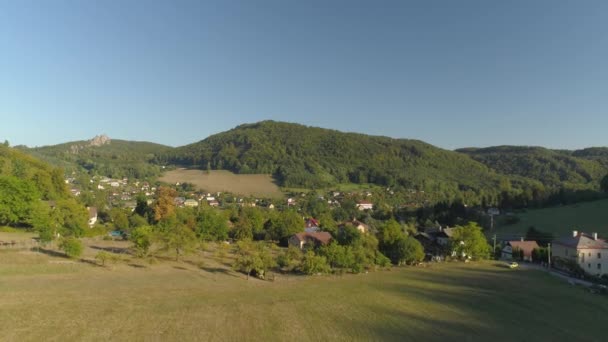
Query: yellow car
[513, 264]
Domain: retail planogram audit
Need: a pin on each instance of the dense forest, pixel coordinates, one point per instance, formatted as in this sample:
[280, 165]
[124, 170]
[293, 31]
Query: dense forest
[314, 157]
[575, 170]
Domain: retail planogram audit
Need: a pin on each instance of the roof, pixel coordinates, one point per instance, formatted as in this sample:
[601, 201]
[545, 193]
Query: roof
[582, 241]
[322, 237]
[526, 246]
[364, 202]
[312, 222]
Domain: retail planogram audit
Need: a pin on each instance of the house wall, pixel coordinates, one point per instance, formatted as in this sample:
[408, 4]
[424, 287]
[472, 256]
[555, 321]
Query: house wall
[587, 258]
[507, 253]
[294, 241]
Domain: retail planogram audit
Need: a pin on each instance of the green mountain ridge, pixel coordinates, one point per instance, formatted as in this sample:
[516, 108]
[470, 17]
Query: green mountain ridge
[580, 169]
[311, 157]
[111, 157]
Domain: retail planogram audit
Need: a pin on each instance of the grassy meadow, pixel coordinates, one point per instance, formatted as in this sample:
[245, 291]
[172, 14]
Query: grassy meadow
[586, 216]
[44, 296]
[219, 180]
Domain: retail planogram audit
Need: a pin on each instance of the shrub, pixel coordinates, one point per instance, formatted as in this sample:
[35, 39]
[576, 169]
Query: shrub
[102, 257]
[314, 264]
[72, 247]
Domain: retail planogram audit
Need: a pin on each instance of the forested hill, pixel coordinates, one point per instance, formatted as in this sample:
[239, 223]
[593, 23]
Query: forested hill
[582, 169]
[103, 156]
[21, 174]
[302, 156]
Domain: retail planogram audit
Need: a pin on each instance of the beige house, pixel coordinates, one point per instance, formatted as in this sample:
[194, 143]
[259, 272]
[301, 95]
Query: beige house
[191, 203]
[589, 251]
[361, 227]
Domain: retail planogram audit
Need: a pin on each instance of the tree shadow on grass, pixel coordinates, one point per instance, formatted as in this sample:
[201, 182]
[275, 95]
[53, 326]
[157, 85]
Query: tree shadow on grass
[49, 252]
[219, 270]
[116, 250]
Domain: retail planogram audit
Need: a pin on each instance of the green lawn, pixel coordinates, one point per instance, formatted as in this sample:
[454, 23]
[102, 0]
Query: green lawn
[46, 297]
[588, 217]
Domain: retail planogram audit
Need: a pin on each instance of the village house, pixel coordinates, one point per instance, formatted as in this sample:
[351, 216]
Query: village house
[311, 225]
[365, 205]
[191, 203]
[360, 226]
[315, 238]
[588, 250]
[525, 246]
[214, 203]
[92, 216]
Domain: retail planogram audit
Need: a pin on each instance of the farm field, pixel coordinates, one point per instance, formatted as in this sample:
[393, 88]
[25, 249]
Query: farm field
[587, 216]
[220, 180]
[47, 297]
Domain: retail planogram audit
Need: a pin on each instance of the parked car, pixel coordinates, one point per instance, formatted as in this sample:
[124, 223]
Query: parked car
[513, 264]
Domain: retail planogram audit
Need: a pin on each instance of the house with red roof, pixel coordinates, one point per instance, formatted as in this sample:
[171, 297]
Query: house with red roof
[513, 247]
[314, 238]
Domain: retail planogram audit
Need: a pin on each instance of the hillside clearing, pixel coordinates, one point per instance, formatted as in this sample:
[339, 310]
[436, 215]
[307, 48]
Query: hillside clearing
[202, 299]
[225, 181]
[560, 221]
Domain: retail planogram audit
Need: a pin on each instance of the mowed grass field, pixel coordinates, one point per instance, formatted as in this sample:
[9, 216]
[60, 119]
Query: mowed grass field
[219, 180]
[561, 221]
[46, 297]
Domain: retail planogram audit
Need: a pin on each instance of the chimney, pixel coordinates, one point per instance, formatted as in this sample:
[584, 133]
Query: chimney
[594, 236]
[574, 233]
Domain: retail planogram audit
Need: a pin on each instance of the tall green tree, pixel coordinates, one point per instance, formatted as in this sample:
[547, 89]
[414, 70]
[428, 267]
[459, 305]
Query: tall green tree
[17, 200]
[469, 241]
[179, 239]
[211, 225]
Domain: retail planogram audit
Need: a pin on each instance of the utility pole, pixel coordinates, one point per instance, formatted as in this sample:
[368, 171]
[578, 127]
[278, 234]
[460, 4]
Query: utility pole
[494, 249]
[549, 254]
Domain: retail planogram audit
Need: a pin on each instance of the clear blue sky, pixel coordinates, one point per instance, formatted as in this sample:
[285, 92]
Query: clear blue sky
[452, 73]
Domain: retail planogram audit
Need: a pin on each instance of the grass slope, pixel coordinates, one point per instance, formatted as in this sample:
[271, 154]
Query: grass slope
[47, 298]
[560, 221]
[213, 181]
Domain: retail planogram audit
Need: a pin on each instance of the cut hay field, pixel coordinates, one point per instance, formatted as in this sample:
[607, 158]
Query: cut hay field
[220, 180]
[587, 216]
[46, 297]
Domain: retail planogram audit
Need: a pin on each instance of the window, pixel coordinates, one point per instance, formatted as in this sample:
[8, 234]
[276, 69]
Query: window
[599, 255]
[588, 265]
[599, 266]
[582, 257]
[589, 254]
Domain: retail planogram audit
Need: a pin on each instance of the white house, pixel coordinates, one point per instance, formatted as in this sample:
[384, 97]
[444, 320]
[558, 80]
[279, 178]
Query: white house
[589, 251]
[92, 216]
[365, 205]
